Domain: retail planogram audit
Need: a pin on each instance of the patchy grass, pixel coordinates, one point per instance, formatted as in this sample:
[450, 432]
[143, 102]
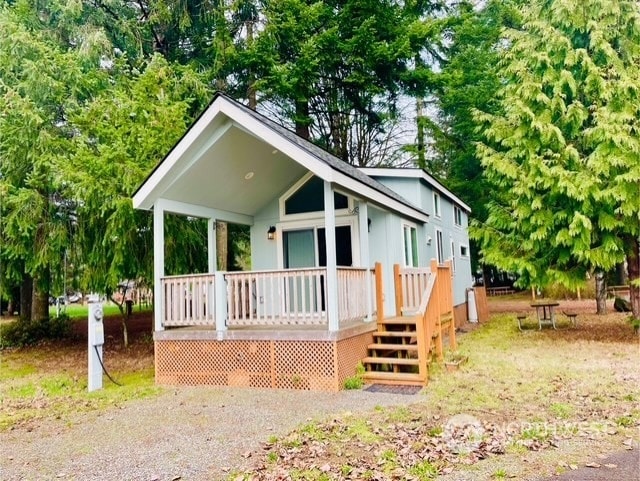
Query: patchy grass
[78, 311]
[533, 394]
[49, 381]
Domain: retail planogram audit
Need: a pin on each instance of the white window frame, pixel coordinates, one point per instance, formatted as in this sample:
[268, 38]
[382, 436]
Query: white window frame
[466, 248]
[439, 246]
[437, 205]
[309, 215]
[457, 216]
[315, 224]
[412, 227]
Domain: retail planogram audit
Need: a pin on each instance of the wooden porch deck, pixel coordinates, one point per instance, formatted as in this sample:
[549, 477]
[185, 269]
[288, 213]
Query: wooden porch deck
[285, 354]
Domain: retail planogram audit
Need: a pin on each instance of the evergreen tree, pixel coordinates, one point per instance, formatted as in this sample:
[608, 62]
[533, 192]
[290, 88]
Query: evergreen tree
[563, 157]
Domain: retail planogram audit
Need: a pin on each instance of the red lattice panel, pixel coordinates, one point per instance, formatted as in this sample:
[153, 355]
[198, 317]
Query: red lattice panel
[350, 352]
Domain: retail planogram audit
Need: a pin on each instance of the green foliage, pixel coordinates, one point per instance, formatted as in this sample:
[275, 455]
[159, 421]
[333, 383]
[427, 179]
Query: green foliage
[563, 156]
[25, 333]
[356, 381]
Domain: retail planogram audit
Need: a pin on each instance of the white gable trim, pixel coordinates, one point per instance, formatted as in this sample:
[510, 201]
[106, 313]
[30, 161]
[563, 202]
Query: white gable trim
[414, 174]
[143, 198]
[158, 181]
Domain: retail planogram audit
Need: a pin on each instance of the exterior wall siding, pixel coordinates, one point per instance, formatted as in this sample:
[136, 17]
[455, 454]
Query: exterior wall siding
[414, 190]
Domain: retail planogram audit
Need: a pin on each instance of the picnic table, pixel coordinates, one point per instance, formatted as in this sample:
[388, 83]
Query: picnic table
[545, 312]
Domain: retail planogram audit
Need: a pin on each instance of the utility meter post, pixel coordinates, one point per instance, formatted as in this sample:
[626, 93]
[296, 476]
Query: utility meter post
[96, 340]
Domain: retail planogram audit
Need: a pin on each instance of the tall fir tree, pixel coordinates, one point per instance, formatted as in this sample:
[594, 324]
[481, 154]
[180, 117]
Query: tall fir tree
[564, 156]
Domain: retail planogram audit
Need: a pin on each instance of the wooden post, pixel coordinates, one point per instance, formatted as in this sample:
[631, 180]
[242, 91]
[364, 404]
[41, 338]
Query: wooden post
[423, 345]
[379, 294]
[397, 284]
[453, 343]
[437, 299]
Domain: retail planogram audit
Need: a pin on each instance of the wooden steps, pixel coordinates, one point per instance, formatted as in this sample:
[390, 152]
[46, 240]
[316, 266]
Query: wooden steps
[405, 345]
[407, 379]
[392, 347]
[390, 360]
[393, 357]
[406, 334]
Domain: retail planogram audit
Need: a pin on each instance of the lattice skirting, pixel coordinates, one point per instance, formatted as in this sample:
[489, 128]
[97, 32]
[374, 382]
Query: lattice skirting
[281, 364]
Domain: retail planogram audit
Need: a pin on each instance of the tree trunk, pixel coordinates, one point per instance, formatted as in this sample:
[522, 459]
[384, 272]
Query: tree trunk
[621, 275]
[251, 89]
[125, 332]
[421, 161]
[633, 269]
[221, 245]
[26, 293]
[302, 112]
[601, 293]
[40, 300]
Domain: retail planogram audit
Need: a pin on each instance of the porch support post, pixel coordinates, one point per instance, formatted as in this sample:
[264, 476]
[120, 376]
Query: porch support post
[158, 265]
[332, 273]
[220, 287]
[363, 221]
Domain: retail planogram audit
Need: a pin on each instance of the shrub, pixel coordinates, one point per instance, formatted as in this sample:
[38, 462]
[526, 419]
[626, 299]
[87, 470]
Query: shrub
[24, 333]
[357, 381]
[558, 291]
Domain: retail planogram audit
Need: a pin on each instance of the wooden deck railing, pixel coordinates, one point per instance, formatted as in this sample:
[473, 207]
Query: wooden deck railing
[434, 312]
[272, 298]
[356, 293]
[188, 300]
[410, 284]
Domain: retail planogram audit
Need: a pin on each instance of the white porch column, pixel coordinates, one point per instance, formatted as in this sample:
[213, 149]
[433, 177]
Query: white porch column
[219, 293]
[363, 221]
[220, 301]
[158, 264]
[332, 274]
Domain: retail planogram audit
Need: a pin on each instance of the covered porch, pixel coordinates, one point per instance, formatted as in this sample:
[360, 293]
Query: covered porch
[304, 314]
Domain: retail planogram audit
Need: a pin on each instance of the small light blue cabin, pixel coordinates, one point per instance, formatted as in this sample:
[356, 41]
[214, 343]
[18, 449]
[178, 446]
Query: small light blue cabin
[333, 248]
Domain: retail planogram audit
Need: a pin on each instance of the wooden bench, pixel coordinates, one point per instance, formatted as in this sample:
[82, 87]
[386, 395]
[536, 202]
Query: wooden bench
[500, 291]
[573, 318]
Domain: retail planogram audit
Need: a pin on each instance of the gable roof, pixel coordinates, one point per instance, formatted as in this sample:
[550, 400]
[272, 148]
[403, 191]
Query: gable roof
[227, 112]
[416, 173]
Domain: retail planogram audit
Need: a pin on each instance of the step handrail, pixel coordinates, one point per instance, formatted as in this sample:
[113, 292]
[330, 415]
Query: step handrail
[423, 329]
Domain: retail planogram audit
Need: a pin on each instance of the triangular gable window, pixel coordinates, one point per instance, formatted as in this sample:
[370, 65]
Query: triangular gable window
[310, 198]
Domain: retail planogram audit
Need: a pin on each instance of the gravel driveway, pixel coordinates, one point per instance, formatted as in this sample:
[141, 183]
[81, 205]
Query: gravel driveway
[186, 433]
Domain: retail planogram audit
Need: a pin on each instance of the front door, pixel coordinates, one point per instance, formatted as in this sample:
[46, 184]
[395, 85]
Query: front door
[308, 248]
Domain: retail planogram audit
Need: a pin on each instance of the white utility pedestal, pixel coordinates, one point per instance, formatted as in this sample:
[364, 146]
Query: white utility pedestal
[96, 340]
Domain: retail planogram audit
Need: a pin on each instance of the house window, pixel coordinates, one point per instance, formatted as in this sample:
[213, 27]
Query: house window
[464, 251]
[436, 204]
[410, 242]
[310, 198]
[439, 246]
[457, 215]
[308, 247]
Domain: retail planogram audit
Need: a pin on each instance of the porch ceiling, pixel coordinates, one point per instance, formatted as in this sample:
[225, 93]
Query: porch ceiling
[237, 173]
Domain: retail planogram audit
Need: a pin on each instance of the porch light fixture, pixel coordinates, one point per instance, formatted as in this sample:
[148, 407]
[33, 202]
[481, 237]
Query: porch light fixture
[248, 176]
[271, 233]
